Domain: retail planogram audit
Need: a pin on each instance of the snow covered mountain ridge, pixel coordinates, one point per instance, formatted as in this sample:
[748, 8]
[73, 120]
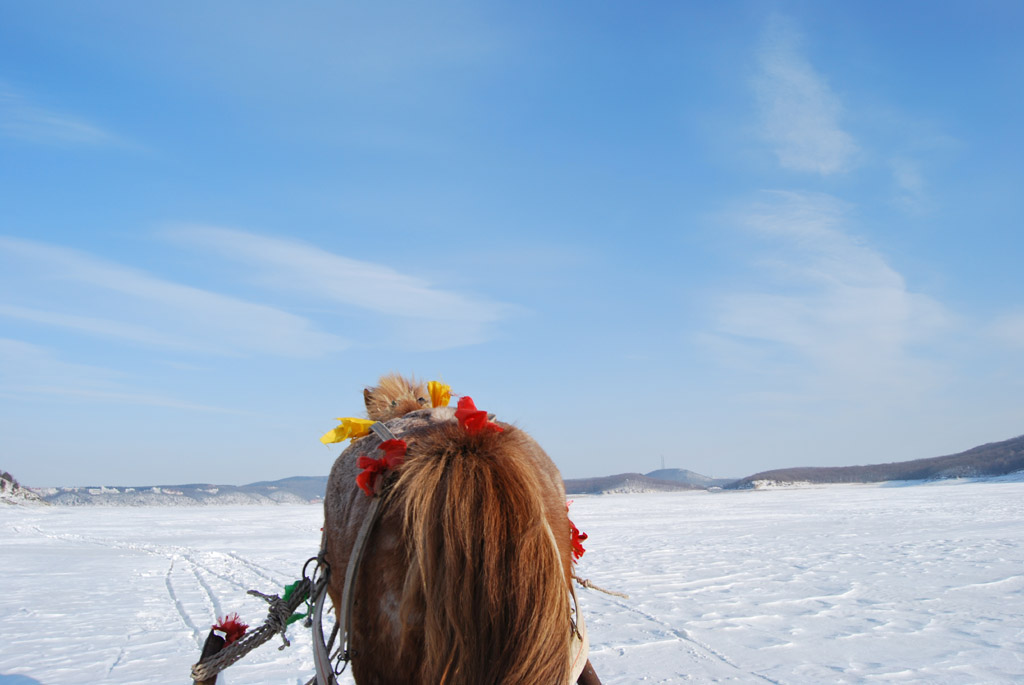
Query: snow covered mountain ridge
[295, 490]
[992, 460]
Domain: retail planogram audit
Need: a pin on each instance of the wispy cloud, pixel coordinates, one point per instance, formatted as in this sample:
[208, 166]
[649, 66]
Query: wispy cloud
[909, 183]
[799, 112]
[27, 369]
[149, 309]
[1008, 329]
[104, 328]
[22, 119]
[826, 300]
[418, 307]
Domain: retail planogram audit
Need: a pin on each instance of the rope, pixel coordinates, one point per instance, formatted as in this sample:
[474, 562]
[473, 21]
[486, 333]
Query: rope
[276, 622]
[590, 586]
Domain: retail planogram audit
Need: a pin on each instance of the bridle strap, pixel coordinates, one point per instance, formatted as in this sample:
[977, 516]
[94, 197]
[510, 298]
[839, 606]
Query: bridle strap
[356, 556]
[382, 432]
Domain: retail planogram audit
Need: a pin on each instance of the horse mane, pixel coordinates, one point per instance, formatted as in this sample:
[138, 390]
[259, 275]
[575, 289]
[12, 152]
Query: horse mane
[489, 560]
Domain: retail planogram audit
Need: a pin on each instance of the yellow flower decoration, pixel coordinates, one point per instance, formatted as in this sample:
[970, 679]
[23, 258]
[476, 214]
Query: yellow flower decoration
[349, 428]
[440, 394]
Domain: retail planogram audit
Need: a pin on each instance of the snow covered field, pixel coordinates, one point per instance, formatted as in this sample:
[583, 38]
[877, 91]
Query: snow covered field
[816, 585]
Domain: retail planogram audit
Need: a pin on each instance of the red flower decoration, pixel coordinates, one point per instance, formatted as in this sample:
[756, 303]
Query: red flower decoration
[394, 452]
[473, 420]
[232, 627]
[577, 540]
[394, 456]
[577, 537]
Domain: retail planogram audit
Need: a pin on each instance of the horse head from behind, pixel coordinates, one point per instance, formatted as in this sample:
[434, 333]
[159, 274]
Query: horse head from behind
[466, 576]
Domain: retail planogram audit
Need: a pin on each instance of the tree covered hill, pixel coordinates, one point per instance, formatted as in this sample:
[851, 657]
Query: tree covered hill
[992, 459]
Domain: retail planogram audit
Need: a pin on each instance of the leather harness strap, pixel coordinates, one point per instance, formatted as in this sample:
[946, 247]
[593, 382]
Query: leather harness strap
[325, 674]
[347, 593]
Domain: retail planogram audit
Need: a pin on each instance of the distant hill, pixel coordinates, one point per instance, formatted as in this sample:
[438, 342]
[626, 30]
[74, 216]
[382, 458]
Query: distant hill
[295, 490]
[624, 482]
[300, 490]
[691, 477]
[310, 488]
[992, 459]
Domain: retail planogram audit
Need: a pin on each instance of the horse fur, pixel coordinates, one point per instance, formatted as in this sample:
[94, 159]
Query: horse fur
[395, 396]
[465, 579]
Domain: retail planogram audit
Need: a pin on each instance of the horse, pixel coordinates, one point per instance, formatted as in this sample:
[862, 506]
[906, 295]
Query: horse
[466, 577]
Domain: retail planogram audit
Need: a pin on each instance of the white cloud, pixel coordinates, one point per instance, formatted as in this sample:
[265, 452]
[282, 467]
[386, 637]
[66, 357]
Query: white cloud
[444, 317]
[157, 311]
[827, 301]
[799, 112]
[24, 120]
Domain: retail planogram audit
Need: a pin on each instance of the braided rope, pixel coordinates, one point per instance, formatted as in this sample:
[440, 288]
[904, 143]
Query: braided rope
[278, 614]
[590, 586]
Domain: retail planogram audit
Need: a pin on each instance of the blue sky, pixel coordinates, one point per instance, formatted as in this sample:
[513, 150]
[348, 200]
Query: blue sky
[731, 236]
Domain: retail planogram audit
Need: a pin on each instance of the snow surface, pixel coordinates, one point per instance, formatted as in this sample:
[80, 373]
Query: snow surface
[829, 584]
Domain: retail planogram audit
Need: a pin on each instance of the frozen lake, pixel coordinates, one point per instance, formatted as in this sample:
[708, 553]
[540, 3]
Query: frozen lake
[832, 584]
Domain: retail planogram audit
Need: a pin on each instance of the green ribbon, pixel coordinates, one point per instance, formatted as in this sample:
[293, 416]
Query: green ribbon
[288, 591]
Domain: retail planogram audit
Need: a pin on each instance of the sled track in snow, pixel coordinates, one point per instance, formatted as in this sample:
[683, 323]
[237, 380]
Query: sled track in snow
[120, 655]
[697, 647]
[179, 607]
[257, 569]
[177, 555]
[210, 594]
[173, 552]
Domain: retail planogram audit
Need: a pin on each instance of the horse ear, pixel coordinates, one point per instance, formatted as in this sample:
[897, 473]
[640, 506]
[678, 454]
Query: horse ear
[367, 397]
